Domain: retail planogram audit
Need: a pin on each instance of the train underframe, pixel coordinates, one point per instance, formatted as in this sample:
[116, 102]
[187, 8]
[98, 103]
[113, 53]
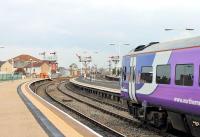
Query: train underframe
[165, 119]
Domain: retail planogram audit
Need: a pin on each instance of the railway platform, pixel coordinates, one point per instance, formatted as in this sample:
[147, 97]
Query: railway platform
[112, 78]
[23, 113]
[15, 118]
[99, 88]
[110, 86]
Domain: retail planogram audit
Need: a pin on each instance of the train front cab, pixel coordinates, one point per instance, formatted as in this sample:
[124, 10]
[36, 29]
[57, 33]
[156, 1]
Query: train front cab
[128, 78]
[124, 77]
[128, 91]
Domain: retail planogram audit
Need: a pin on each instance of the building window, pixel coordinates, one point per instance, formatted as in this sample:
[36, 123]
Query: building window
[184, 74]
[146, 74]
[163, 74]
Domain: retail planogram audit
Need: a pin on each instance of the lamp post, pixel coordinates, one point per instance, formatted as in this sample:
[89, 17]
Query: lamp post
[119, 54]
[119, 50]
[186, 29]
[115, 59]
[110, 66]
[95, 64]
[31, 61]
[84, 60]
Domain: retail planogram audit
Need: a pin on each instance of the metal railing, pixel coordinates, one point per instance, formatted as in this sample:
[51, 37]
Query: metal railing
[5, 77]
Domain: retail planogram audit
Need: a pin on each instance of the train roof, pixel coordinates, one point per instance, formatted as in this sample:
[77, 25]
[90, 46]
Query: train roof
[170, 45]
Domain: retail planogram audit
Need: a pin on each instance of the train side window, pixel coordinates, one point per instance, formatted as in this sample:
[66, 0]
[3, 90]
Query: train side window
[184, 74]
[146, 74]
[124, 73]
[133, 76]
[163, 74]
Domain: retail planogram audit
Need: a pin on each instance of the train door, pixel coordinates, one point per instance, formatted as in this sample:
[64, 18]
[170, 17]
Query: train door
[132, 91]
[125, 77]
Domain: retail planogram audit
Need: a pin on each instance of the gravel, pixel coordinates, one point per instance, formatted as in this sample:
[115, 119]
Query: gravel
[126, 128]
[100, 105]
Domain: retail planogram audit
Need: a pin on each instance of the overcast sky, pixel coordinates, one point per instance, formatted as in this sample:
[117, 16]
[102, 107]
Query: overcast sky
[76, 26]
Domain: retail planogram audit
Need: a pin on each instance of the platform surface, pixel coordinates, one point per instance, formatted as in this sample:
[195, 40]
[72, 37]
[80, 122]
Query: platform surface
[64, 127]
[15, 118]
[102, 83]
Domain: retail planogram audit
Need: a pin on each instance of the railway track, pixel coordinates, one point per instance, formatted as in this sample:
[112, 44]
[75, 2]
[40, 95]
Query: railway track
[104, 127]
[41, 90]
[121, 126]
[68, 87]
[106, 102]
[92, 103]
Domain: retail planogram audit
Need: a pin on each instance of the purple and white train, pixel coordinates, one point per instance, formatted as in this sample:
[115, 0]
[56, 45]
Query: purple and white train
[161, 82]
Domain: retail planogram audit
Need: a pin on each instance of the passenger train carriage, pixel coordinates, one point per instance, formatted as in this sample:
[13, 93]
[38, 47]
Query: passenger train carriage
[161, 82]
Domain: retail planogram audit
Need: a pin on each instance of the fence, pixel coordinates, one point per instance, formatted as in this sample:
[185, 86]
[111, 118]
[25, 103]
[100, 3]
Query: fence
[5, 77]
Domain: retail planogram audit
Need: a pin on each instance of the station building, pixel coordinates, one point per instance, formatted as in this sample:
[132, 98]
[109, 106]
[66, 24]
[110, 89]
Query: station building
[32, 66]
[74, 70]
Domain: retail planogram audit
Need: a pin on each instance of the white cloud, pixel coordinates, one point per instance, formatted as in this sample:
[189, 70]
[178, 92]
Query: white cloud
[38, 25]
